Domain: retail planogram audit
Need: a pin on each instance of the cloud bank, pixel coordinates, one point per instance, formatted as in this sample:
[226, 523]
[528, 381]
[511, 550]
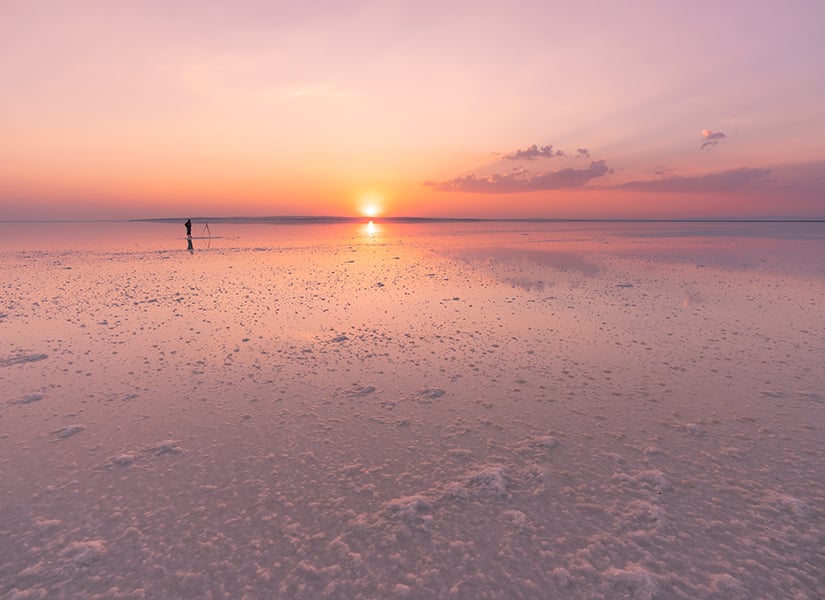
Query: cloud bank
[520, 180]
[534, 152]
[733, 180]
[711, 138]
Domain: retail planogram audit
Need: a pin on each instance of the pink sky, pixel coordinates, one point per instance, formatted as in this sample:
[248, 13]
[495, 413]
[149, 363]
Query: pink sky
[509, 109]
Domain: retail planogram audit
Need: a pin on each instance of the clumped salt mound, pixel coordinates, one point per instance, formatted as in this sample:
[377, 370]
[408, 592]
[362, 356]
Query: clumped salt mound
[490, 481]
[21, 359]
[129, 458]
[811, 396]
[695, 429]
[122, 460]
[789, 504]
[487, 483]
[412, 510]
[361, 391]
[634, 581]
[68, 431]
[79, 560]
[164, 447]
[44, 524]
[32, 593]
[527, 284]
[517, 518]
[727, 586]
[427, 395]
[539, 449]
[651, 479]
[459, 454]
[401, 590]
[83, 554]
[28, 399]
[427, 510]
[644, 512]
[547, 442]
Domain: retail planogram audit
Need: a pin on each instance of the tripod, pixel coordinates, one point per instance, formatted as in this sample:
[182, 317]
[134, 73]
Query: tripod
[206, 228]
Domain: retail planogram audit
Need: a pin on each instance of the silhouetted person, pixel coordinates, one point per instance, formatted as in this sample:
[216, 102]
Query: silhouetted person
[188, 228]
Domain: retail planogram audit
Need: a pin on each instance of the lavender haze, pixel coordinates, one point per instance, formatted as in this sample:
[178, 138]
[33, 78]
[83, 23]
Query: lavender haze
[550, 109]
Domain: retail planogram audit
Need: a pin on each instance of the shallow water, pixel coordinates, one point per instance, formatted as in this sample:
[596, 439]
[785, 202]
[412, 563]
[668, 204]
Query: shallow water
[488, 410]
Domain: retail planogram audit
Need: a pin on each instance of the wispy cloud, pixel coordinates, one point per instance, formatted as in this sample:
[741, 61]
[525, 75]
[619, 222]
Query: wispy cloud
[711, 138]
[534, 152]
[582, 153]
[725, 181]
[520, 180]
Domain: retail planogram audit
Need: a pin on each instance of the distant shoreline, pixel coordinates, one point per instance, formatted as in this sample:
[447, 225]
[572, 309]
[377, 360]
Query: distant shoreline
[322, 220]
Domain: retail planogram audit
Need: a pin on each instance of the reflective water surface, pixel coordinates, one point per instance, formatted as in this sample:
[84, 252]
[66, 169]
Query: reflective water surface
[447, 410]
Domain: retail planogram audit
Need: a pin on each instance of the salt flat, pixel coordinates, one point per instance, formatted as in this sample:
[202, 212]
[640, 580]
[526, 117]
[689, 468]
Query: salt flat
[448, 410]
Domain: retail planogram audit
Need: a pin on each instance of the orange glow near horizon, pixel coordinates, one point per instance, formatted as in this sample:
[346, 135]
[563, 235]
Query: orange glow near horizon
[371, 205]
[160, 110]
[170, 198]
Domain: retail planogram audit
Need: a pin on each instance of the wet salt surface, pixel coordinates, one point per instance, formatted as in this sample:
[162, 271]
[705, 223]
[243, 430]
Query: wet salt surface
[439, 411]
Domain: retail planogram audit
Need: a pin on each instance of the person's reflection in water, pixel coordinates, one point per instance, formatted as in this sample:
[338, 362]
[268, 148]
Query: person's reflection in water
[189, 245]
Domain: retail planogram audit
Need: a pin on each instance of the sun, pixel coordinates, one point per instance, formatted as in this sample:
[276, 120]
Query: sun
[370, 205]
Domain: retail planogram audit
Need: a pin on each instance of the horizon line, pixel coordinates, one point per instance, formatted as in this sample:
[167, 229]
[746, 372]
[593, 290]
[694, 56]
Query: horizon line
[332, 219]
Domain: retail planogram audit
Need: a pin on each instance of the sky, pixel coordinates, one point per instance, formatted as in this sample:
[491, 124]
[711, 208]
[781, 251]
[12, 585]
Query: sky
[513, 109]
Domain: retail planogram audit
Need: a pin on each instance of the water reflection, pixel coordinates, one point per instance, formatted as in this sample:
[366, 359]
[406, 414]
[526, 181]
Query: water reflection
[371, 230]
[205, 243]
[359, 363]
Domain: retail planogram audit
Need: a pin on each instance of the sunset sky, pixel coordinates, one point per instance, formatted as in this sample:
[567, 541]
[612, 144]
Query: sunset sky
[153, 108]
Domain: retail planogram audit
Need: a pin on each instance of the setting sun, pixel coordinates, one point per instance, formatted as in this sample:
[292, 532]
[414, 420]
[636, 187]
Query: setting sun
[370, 205]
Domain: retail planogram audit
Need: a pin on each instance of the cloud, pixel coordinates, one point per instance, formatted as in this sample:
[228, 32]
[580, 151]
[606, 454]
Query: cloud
[711, 138]
[520, 180]
[582, 153]
[534, 152]
[733, 180]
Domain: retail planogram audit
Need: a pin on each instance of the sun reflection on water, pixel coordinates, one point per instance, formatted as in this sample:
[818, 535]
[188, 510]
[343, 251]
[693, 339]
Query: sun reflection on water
[371, 230]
